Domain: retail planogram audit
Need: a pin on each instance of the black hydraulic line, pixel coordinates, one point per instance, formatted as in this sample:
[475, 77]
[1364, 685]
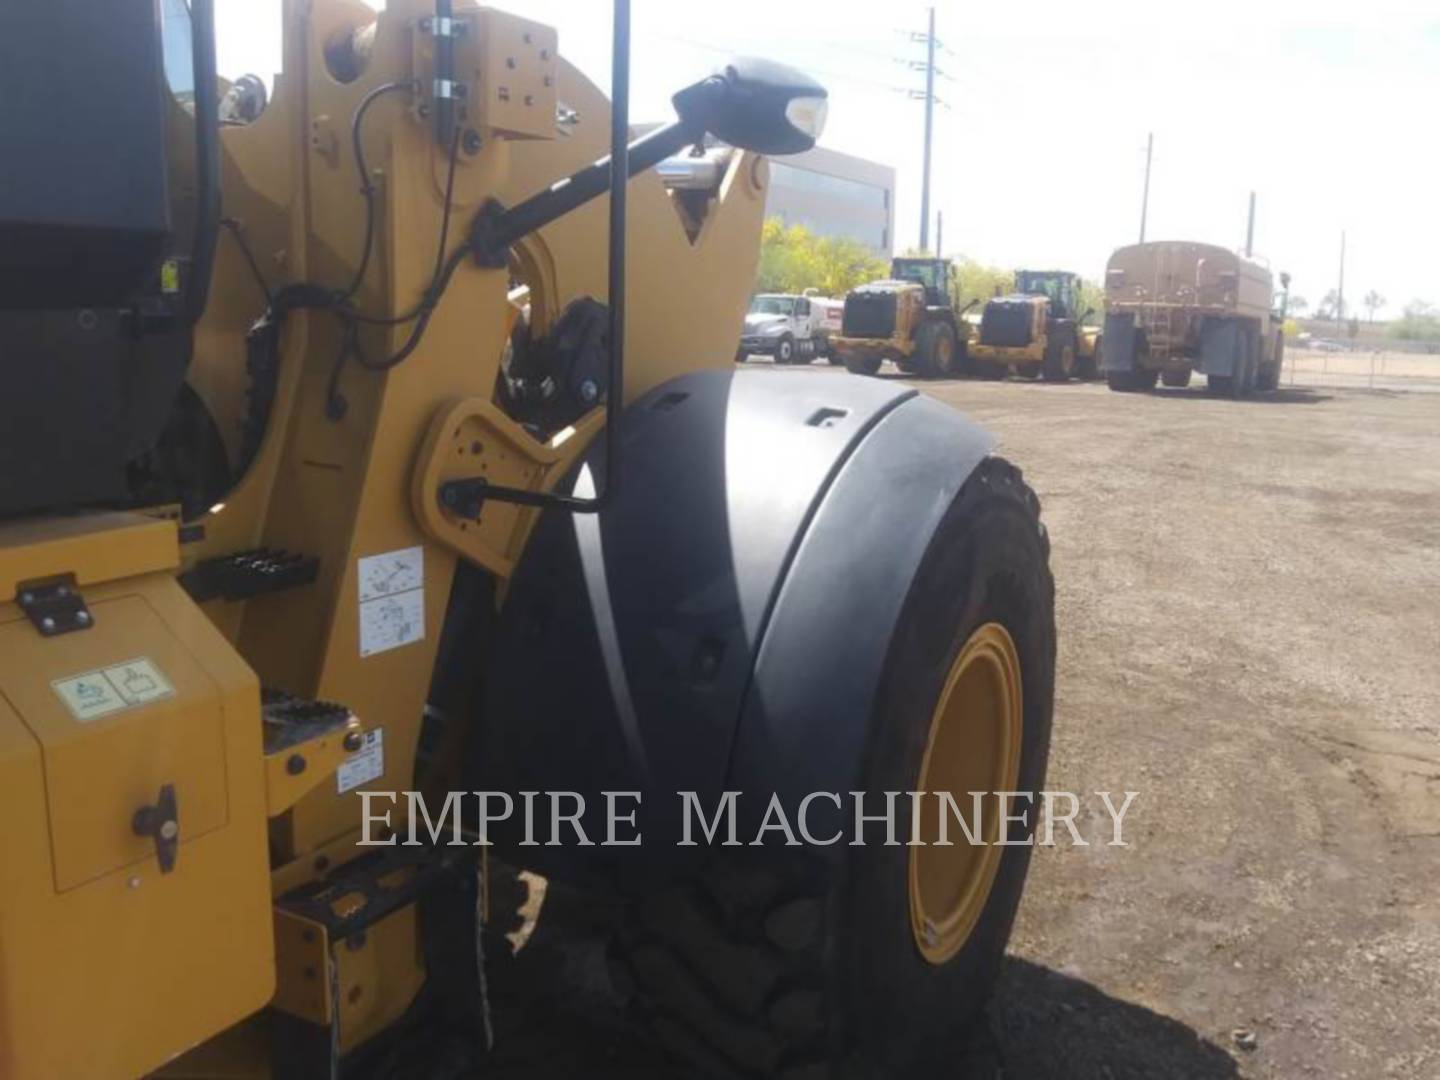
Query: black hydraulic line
[207, 158]
[367, 188]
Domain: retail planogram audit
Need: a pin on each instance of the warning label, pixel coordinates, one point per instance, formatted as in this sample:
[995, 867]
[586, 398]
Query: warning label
[365, 765]
[103, 691]
[392, 600]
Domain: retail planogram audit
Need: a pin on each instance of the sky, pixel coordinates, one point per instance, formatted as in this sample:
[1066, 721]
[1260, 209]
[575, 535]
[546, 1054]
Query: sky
[1327, 110]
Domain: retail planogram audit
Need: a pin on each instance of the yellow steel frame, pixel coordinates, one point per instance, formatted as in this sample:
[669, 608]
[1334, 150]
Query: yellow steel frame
[364, 483]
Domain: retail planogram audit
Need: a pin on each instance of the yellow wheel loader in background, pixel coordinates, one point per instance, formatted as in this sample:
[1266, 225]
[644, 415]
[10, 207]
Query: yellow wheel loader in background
[908, 319]
[334, 468]
[1037, 331]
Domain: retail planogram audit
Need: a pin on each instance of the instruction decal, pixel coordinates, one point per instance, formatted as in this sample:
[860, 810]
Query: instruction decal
[93, 694]
[392, 600]
[365, 765]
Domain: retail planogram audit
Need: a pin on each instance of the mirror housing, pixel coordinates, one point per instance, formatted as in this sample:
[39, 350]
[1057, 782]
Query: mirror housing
[757, 105]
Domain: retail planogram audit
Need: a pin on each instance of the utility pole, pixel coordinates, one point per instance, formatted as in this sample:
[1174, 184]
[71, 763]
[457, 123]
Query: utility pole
[939, 234]
[929, 131]
[1250, 229]
[1145, 198]
[1340, 293]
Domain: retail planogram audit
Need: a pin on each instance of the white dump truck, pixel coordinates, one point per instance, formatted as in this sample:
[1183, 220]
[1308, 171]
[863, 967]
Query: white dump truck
[791, 329]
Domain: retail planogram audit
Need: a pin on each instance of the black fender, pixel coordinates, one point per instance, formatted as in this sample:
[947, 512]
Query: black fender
[722, 624]
[1118, 342]
[1221, 342]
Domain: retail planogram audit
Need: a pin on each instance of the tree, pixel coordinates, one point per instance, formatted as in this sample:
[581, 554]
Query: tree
[1421, 322]
[1329, 303]
[793, 259]
[1373, 302]
[1297, 305]
[976, 281]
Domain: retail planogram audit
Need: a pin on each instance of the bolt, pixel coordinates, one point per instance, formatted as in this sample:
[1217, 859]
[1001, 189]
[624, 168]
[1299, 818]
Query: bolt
[27, 598]
[589, 391]
[83, 618]
[133, 883]
[61, 590]
[353, 741]
[295, 764]
[471, 142]
[169, 830]
[47, 624]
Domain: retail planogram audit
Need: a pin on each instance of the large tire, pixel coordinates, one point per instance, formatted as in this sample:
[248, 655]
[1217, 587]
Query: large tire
[862, 363]
[784, 349]
[937, 352]
[1252, 362]
[1059, 363]
[766, 967]
[1269, 377]
[1242, 383]
[1131, 382]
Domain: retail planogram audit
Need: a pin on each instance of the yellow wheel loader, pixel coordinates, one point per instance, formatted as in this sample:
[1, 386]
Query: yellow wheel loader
[1037, 331]
[347, 517]
[908, 319]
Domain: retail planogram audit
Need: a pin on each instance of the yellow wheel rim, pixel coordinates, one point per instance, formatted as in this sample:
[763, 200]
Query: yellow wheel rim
[974, 745]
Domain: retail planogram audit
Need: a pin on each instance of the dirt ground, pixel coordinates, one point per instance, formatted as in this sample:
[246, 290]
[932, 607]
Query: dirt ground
[1249, 612]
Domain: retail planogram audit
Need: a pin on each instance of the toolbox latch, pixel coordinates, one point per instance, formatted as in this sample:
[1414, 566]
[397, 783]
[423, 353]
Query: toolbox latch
[161, 823]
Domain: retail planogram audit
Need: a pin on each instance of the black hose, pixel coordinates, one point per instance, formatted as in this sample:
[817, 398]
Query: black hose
[367, 189]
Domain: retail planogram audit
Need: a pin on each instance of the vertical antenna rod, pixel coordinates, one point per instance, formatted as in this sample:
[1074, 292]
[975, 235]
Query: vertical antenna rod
[1250, 229]
[1145, 198]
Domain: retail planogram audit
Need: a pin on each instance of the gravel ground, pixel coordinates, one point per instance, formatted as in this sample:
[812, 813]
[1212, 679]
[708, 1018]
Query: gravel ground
[1249, 609]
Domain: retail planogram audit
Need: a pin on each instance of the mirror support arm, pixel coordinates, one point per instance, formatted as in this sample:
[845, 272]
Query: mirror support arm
[495, 229]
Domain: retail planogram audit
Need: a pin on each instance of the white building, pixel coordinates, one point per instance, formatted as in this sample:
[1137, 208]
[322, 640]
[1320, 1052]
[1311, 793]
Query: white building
[835, 194]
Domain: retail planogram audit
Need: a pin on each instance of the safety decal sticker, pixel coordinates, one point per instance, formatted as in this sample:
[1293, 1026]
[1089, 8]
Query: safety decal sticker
[365, 765]
[392, 600]
[107, 690]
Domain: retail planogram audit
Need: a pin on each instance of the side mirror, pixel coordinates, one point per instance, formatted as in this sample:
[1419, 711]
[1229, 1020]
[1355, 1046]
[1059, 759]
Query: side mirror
[757, 105]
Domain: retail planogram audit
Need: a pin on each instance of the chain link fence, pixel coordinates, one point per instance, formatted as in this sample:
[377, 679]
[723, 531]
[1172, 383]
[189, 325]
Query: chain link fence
[1411, 365]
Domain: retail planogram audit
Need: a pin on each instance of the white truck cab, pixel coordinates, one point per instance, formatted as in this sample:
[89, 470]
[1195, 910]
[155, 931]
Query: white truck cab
[790, 328]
